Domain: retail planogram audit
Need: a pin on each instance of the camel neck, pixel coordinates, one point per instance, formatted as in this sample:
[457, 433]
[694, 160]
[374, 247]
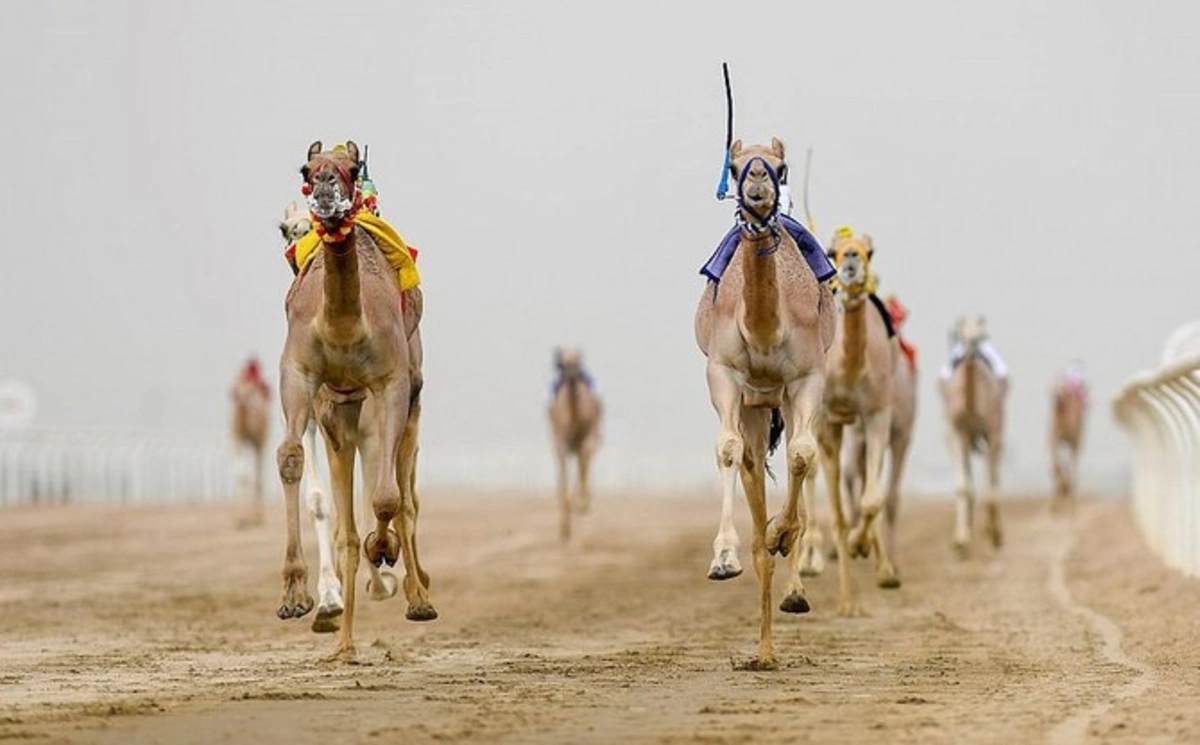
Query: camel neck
[854, 338]
[342, 312]
[760, 290]
[970, 383]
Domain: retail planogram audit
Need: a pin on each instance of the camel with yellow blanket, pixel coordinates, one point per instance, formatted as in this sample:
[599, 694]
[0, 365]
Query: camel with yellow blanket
[352, 361]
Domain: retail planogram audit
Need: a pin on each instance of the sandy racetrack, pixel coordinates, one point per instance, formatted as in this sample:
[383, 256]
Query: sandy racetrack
[157, 625]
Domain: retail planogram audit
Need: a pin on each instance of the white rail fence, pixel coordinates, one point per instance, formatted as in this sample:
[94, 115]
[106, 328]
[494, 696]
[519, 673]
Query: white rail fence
[1160, 411]
[51, 467]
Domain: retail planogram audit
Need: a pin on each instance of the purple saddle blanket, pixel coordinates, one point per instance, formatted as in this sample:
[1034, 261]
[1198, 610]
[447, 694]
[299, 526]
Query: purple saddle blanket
[810, 249]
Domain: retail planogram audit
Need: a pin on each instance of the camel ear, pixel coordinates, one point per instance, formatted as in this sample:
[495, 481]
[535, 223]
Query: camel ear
[283, 228]
[829, 252]
[558, 357]
[778, 149]
[352, 150]
[735, 149]
[314, 150]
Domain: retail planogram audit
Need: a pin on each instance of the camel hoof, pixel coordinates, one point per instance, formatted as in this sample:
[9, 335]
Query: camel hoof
[850, 610]
[888, 582]
[795, 603]
[860, 546]
[344, 653]
[326, 620]
[781, 536]
[389, 586]
[382, 552]
[962, 549]
[296, 600]
[421, 612]
[758, 664]
[725, 566]
[811, 562]
[996, 537]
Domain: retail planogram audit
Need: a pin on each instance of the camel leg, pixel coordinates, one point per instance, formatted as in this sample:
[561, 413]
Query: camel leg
[585, 467]
[259, 488]
[341, 477]
[416, 581]
[1073, 477]
[992, 503]
[296, 394]
[964, 513]
[877, 429]
[831, 449]
[410, 446]
[320, 508]
[812, 558]
[885, 539]
[389, 413]
[564, 494]
[786, 528]
[726, 398]
[756, 427]
[381, 584]
[854, 469]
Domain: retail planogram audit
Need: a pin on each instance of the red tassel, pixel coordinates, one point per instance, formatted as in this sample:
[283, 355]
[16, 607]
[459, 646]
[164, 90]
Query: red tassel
[306, 189]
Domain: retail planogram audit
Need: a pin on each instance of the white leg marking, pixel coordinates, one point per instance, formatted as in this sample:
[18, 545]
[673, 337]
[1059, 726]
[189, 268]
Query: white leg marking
[320, 507]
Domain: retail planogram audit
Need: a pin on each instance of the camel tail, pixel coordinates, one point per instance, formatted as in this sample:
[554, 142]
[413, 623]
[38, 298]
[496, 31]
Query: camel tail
[774, 437]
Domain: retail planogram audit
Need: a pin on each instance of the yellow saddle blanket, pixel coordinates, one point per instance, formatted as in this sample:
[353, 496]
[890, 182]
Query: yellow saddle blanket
[395, 250]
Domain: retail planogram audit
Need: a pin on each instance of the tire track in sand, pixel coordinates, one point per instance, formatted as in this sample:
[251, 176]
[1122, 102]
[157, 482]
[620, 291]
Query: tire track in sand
[1074, 729]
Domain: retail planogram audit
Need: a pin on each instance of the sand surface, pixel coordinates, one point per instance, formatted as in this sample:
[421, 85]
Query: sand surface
[157, 625]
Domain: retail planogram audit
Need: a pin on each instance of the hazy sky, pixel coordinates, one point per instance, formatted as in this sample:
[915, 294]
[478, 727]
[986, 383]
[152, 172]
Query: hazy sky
[555, 162]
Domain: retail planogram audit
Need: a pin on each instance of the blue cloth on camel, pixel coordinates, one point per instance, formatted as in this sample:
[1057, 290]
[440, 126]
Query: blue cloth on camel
[810, 249]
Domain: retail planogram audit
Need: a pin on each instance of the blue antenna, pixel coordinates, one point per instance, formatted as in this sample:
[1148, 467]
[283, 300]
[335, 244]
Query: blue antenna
[723, 186]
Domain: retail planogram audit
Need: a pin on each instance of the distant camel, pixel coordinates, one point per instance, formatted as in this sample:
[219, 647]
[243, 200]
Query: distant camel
[974, 390]
[251, 423]
[1070, 398]
[575, 415]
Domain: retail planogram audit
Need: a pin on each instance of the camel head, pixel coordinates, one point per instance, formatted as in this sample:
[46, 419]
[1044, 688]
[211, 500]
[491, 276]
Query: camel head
[569, 363]
[852, 255]
[330, 181]
[971, 333]
[758, 170]
[295, 224]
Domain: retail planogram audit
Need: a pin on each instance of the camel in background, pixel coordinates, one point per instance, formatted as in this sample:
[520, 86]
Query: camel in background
[764, 329]
[854, 460]
[974, 389]
[858, 393]
[575, 414]
[251, 398]
[1070, 402]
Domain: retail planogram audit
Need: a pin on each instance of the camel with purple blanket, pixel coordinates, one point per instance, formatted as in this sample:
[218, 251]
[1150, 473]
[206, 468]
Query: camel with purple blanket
[765, 336]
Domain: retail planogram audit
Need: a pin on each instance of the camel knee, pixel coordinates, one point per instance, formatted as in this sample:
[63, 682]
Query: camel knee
[730, 451]
[348, 544]
[802, 455]
[387, 503]
[290, 459]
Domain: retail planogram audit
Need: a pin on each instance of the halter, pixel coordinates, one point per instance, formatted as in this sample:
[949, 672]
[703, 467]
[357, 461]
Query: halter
[756, 226]
[347, 207]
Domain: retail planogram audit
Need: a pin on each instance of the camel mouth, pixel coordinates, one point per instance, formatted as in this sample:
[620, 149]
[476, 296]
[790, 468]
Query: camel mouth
[330, 207]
